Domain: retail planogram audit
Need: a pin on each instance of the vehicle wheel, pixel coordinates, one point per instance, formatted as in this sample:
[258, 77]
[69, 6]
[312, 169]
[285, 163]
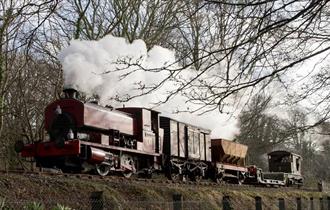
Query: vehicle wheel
[129, 165]
[102, 169]
[178, 177]
[198, 178]
[148, 175]
[240, 181]
[175, 177]
[127, 174]
[195, 177]
[219, 180]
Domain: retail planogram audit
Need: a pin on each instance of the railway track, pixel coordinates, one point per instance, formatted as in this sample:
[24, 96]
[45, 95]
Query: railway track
[158, 181]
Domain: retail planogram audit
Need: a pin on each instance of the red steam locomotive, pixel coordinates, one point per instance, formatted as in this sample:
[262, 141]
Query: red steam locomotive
[85, 137]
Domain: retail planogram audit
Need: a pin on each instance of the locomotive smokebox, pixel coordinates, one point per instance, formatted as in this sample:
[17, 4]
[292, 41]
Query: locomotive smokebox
[70, 92]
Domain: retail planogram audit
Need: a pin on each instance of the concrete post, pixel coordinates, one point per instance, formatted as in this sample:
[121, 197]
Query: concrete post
[299, 204]
[281, 204]
[177, 201]
[258, 203]
[311, 202]
[97, 201]
[226, 203]
[321, 204]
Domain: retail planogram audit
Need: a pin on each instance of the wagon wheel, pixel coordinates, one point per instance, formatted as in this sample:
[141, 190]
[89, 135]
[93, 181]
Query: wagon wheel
[198, 178]
[147, 173]
[174, 174]
[240, 181]
[195, 177]
[177, 177]
[102, 169]
[219, 180]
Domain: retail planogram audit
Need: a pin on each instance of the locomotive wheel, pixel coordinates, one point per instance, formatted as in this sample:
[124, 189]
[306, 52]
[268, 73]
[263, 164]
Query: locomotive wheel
[102, 169]
[127, 174]
[127, 160]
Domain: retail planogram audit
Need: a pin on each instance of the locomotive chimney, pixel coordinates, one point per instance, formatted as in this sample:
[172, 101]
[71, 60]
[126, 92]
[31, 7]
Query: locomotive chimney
[70, 92]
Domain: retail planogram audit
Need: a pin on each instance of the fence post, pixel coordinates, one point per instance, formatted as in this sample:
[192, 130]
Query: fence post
[320, 186]
[258, 203]
[321, 204]
[299, 204]
[96, 199]
[226, 203]
[281, 204]
[177, 201]
[311, 202]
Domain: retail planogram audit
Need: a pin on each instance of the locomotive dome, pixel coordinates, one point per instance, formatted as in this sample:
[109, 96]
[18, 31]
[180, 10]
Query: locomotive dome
[70, 92]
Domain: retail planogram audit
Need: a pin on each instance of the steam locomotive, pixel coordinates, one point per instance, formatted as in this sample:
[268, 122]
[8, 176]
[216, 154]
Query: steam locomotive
[86, 137]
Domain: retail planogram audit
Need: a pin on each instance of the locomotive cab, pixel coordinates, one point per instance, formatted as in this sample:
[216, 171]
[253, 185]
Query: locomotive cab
[283, 161]
[285, 166]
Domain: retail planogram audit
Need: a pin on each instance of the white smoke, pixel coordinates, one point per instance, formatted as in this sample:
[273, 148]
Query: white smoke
[92, 67]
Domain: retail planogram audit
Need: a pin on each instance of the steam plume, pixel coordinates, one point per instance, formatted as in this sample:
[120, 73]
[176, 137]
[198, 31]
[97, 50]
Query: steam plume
[92, 67]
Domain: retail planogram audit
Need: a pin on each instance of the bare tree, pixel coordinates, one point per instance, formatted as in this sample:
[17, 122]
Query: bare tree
[261, 131]
[231, 49]
[253, 44]
[133, 19]
[19, 23]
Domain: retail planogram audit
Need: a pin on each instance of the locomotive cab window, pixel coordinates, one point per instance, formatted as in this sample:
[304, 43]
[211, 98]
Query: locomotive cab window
[286, 159]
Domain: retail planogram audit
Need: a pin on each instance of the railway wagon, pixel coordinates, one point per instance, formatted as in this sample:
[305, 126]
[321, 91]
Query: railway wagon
[228, 160]
[186, 150]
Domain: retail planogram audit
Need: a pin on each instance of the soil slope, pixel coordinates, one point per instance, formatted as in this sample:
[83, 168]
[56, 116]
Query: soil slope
[17, 190]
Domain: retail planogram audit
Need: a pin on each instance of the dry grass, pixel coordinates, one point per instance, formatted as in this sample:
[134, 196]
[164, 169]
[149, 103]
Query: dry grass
[75, 192]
